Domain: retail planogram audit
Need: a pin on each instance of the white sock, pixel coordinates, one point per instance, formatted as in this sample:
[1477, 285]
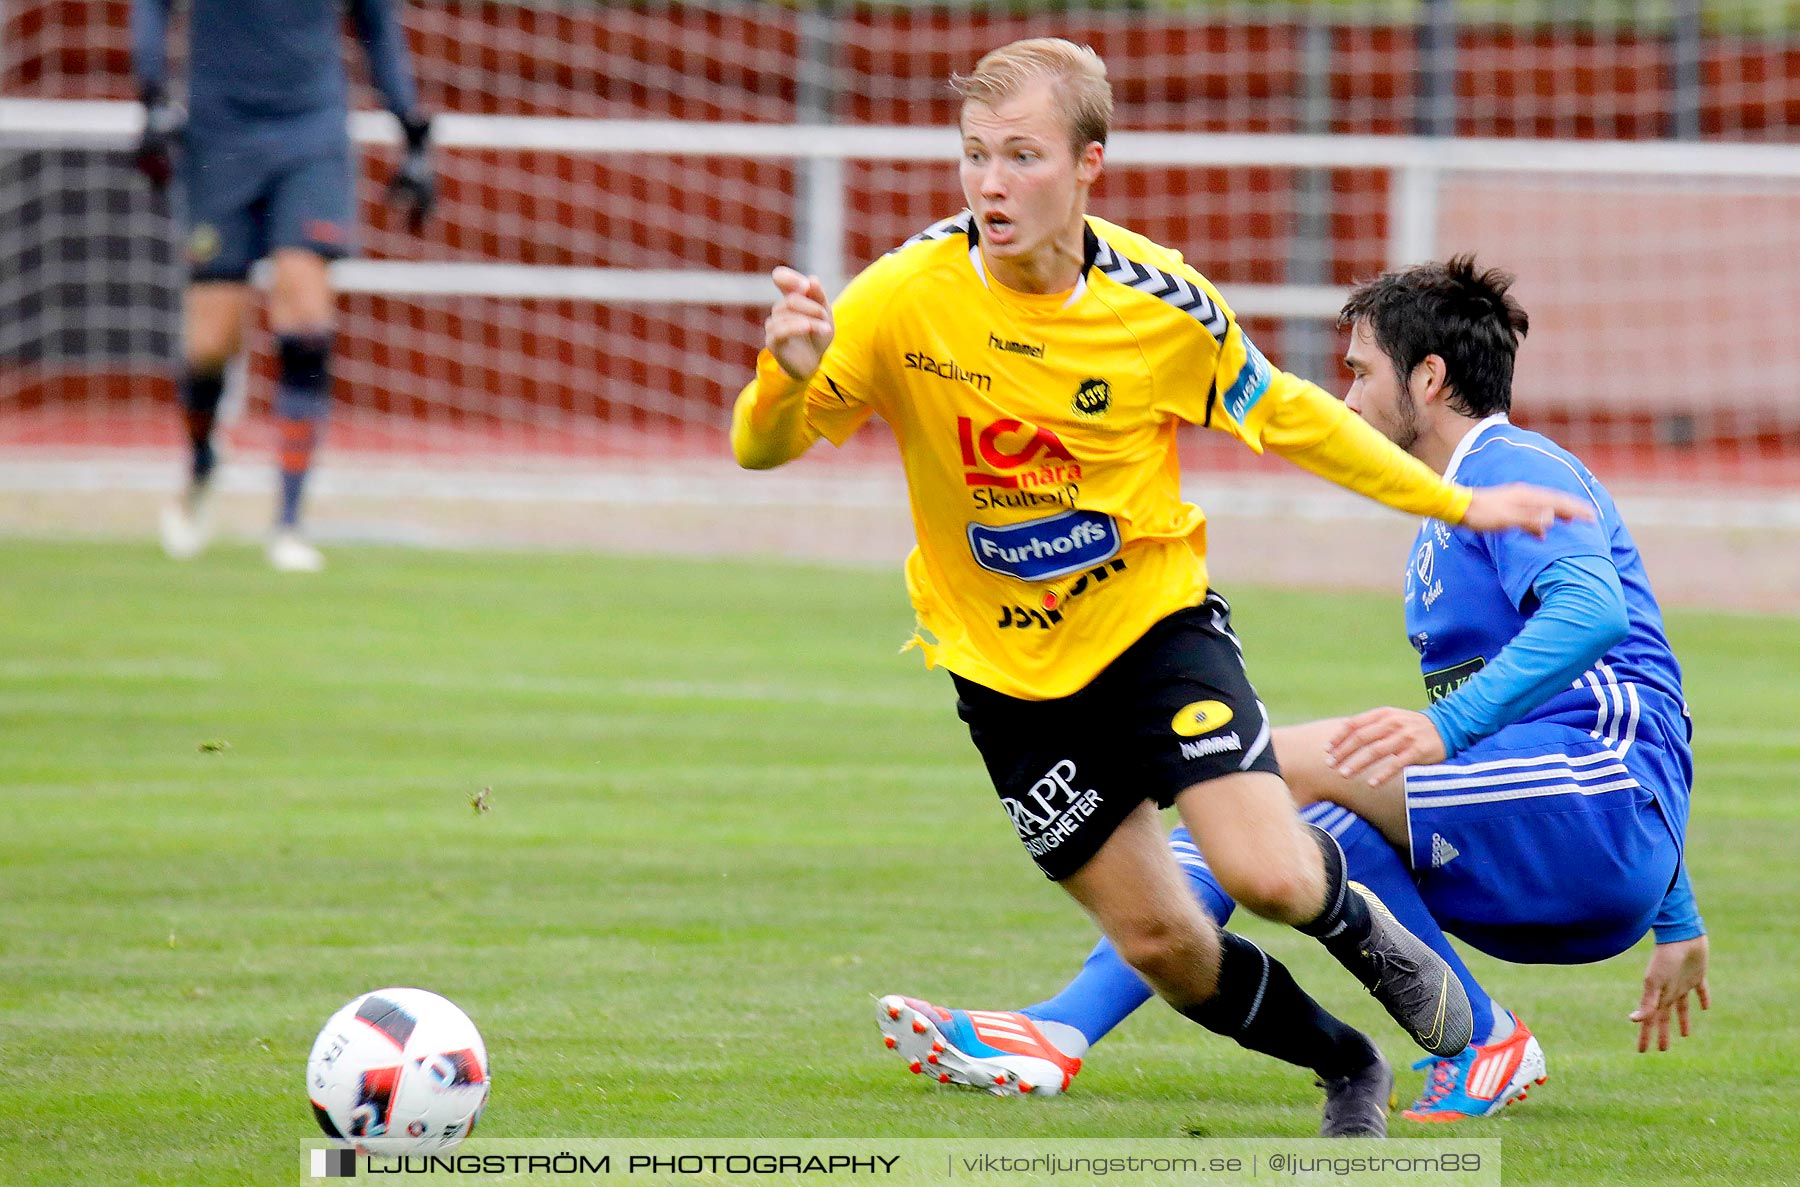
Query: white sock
[1063, 1037]
[1503, 1027]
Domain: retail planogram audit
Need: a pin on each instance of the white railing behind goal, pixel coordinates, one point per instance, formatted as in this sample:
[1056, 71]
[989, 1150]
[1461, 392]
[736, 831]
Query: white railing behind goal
[1656, 273]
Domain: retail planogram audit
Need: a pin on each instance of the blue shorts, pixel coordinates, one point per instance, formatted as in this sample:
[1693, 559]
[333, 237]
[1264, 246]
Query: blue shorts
[248, 196]
[1544, 845]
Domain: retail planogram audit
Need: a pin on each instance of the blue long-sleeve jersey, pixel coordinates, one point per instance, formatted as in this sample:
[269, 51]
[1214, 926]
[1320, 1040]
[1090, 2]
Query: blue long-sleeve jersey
[1599, 662]
[253, 63]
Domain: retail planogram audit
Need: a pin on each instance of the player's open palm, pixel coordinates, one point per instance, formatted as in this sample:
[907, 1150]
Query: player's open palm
[1676, 969]
[1534, 509]
[1379, 744]
[799, 325]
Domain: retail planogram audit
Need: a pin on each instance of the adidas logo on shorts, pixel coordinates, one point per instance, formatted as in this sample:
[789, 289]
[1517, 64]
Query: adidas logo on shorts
[1442, 851]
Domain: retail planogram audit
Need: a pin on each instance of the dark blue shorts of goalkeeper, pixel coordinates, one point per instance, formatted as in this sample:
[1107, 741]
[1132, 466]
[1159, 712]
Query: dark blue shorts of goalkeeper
[251, 190]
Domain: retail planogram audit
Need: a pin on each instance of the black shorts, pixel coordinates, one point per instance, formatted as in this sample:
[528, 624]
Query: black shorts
[1175, 709]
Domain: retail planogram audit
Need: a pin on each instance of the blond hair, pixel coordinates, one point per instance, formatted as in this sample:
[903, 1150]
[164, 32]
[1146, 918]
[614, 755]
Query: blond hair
[1076, 74]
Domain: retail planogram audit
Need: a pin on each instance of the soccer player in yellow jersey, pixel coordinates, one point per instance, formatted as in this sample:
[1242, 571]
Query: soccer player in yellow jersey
[1034, 364]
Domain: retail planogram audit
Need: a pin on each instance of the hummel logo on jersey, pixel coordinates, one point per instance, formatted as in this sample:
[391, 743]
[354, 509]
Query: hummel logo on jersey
[1442, 851]
[1207, 747]
[1184, 295]
[1032, 349]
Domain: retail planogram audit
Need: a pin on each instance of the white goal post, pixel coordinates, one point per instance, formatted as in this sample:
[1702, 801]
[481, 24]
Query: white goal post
[1417, 164]
[560, 311]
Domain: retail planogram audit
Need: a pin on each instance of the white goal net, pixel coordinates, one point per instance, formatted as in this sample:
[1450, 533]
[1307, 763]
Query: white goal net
[617, 179]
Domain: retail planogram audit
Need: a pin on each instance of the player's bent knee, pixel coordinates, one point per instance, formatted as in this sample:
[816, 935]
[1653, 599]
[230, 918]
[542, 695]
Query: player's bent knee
[1276, 875]
[1167, 954]
[1284, 893]
[1165, 944]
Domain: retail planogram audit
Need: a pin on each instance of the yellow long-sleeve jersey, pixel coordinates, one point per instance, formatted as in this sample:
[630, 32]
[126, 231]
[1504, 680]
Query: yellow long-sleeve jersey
[1038, 438]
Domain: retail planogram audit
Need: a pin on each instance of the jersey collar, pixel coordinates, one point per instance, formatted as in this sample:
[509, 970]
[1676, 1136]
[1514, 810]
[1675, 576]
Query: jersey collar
[1468, 442]
[1090, 251]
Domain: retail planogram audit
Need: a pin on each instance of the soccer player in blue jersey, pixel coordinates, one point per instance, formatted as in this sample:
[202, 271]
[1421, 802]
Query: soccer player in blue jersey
[263, 157]
[1537, 809]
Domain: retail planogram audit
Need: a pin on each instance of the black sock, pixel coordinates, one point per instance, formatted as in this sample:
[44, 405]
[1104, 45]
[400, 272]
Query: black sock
[302, 400]
[1345, 921]
[200, 394]
[1259, 1006]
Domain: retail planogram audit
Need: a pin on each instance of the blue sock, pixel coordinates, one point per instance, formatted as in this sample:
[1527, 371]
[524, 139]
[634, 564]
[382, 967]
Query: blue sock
[1369, 859]
[302, 398]
[1107, 989]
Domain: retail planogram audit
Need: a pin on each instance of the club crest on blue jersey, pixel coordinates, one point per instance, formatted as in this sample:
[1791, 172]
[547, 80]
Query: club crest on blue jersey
[203, 244]
[1044, 549]
[1422, 579]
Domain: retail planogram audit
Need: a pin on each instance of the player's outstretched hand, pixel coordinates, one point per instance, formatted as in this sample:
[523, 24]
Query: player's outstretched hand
[1380, 743]
[414, 183]
[155, 157]
[1534, 509]
[799, 325]
[1675, 970]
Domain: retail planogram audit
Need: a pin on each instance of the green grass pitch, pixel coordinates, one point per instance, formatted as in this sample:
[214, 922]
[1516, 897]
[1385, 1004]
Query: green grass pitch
[724, 814]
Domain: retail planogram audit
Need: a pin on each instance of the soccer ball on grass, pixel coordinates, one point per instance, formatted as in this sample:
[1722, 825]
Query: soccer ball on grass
[398, 1071]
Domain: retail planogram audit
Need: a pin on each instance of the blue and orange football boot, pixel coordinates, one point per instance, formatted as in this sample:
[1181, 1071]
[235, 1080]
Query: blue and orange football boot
[1481, 1080]
[995, 1050]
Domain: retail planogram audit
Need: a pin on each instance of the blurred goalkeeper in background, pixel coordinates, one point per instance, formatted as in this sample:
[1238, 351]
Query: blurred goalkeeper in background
[1035, 365]
[1538, 807]
[263, 157]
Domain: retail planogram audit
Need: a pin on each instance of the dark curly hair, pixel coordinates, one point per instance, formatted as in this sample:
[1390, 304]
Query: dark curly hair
[1453, 310]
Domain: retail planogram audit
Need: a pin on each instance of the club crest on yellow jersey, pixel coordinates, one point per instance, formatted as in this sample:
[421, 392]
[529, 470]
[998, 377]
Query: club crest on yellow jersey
[1092, 398]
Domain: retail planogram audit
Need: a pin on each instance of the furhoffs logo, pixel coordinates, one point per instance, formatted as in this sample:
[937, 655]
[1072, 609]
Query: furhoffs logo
[1048, 548]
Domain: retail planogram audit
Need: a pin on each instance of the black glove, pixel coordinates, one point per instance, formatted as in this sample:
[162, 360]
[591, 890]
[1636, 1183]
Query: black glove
[163, 122]
[414, 185]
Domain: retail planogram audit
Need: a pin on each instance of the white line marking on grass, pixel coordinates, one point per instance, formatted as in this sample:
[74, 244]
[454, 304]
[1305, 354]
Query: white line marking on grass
[110, 669]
